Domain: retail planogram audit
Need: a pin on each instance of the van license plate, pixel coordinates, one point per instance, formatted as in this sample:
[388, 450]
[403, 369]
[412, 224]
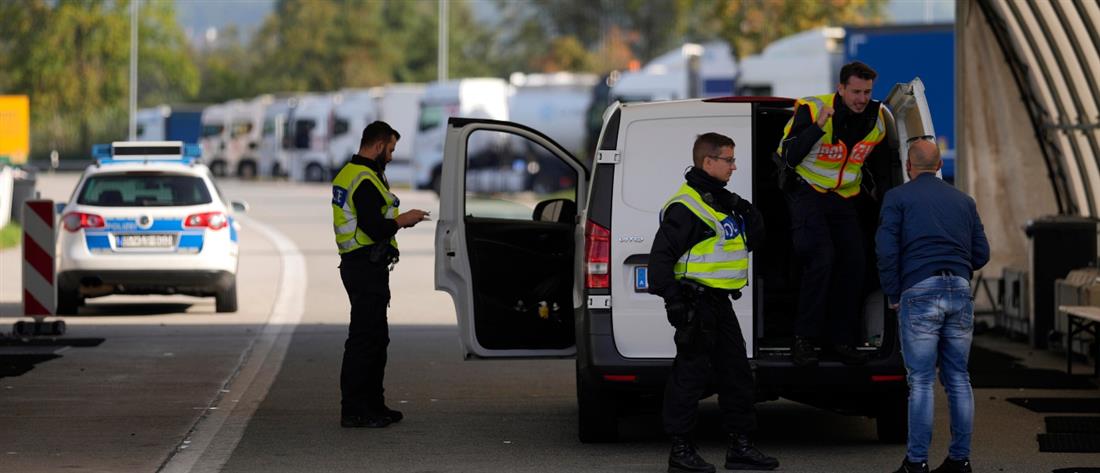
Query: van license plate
[151, 240]
[641, 279]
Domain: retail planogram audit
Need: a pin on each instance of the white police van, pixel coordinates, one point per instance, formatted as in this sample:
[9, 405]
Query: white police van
[563, 275]
[147, 218]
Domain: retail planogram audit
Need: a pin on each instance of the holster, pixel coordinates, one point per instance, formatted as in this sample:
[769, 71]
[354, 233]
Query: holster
[383, 254]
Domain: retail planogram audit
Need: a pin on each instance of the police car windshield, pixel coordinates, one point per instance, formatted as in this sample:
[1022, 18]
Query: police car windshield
[144, 190]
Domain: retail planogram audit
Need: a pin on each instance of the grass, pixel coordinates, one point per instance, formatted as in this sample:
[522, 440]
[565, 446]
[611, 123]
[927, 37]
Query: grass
[10, 235]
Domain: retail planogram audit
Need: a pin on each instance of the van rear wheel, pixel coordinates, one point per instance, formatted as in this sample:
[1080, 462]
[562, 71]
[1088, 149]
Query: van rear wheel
[892, 419]
[597, 418]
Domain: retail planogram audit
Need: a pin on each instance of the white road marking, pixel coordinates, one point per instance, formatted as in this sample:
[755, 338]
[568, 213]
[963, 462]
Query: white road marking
[228, 415]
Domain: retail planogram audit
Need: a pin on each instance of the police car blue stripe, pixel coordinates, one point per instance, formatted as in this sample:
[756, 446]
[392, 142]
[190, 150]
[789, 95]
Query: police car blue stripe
[131, 225]
[232, 230]
[97, 241]
[191, 240]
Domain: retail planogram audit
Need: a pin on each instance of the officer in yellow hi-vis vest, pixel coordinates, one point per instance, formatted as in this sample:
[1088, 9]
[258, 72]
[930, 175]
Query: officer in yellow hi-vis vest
[827, 142]
[365, 219]
[699, 260]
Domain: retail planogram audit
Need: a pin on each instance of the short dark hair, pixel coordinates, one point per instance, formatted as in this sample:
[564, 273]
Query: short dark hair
[708, 144]
[377, 131]
[858, 69]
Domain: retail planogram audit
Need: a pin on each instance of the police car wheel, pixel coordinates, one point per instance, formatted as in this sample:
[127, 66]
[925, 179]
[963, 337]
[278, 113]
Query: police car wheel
[226, 299]
[68, 300]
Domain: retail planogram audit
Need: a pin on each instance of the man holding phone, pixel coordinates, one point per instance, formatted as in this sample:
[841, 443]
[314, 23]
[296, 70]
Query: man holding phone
[365, 219]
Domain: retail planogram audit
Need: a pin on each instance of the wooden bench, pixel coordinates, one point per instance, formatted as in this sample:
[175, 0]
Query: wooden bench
[1082, 320]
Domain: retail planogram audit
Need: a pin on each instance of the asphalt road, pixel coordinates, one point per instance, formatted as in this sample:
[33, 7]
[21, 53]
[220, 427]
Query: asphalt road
[167, 384]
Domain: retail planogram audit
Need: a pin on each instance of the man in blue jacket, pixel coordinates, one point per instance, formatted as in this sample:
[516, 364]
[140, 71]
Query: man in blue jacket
[929, 241]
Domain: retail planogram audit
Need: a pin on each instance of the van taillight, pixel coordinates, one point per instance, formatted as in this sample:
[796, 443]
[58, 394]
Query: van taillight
[74, 221]
[597, 252]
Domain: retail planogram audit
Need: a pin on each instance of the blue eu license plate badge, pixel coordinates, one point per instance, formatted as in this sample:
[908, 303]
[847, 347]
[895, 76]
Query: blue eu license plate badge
[641, 279]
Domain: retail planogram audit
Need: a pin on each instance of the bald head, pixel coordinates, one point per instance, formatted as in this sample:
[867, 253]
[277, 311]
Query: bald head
[924, 156]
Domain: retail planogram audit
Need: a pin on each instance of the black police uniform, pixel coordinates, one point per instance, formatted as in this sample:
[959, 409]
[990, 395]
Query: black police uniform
[826, 231]
[366, 277]
[718, 347]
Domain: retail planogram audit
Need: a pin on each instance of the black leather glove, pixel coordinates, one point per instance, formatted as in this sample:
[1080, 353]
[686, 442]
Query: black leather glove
[678, 312]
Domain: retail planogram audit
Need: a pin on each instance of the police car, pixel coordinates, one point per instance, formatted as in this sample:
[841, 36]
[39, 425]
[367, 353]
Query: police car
[147, 218]
[580, 287]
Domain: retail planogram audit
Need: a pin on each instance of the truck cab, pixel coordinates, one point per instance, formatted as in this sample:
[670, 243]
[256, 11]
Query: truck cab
[564, 274]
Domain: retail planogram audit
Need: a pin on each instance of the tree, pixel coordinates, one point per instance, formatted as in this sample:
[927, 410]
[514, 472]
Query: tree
[71, 58]
[750, 25]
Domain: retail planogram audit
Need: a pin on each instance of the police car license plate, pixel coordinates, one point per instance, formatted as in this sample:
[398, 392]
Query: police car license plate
[641, 279]
[146, 240]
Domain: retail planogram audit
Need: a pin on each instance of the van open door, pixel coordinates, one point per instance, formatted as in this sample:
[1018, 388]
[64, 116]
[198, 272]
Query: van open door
[505, 241]
[914, 121]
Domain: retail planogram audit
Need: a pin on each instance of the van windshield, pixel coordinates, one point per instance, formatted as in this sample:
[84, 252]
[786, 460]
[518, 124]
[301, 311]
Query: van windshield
[433, 115]
[212, 129]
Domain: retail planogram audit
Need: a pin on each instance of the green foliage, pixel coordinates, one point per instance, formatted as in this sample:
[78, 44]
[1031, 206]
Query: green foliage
[10, 235]
[72, 58]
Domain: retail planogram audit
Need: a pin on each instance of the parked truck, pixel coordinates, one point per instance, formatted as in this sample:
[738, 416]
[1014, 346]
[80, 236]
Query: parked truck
[170, 123]
[15, 128]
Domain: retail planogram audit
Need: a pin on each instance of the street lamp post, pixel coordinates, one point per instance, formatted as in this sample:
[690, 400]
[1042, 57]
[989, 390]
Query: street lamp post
[133, 68]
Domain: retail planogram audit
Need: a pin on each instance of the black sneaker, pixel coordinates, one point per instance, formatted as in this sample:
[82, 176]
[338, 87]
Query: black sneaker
[365, 421]
[912, 467]
[953, 466]
[848, 355]
[684, 459]
[743, 455]
[803, 352]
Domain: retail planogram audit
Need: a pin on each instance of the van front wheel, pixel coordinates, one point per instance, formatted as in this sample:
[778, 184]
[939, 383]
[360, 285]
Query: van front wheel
[596, 416]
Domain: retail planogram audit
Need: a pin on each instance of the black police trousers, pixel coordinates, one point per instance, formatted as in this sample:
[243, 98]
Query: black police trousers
[828, 241]
[714, 355]
[364, 364]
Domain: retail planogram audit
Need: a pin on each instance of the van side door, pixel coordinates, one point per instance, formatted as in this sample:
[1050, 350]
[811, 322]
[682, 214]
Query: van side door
[505, 248]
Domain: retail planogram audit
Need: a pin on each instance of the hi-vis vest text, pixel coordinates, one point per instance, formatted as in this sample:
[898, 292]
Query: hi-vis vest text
[832, 166]
[721, 261]
[344, 220]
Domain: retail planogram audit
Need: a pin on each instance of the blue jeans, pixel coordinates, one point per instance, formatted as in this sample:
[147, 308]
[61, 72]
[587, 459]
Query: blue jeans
[936, 323]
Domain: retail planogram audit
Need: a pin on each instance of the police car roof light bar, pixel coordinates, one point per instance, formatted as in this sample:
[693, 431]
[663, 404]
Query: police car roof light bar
[146, 151]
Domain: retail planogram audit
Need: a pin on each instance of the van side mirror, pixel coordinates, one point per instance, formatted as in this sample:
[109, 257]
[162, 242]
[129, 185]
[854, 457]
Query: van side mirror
[555, 210]
[239, 205]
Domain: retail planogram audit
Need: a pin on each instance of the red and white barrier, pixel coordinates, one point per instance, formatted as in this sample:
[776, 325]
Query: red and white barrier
[39, 285]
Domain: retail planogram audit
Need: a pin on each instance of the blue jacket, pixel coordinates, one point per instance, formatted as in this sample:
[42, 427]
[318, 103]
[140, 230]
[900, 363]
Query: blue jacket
[926, 226]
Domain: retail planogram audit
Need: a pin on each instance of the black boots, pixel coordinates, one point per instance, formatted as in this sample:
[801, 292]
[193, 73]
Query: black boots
[912, 467]
[684, 459]
[953, 466]
[742, 455]
[373, 419]
[802, 352]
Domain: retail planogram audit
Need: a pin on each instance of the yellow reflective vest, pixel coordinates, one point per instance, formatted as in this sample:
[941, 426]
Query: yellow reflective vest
[349, 237]
[721, 261]
[832, 166]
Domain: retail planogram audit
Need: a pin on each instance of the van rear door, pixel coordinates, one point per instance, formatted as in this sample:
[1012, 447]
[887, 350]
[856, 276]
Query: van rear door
[911, 113]
[504, 252]
[655, 144]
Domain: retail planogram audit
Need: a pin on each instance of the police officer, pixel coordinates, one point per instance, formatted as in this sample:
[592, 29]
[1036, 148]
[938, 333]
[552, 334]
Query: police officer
[365, 219]
[826, 143]
[699, 260]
